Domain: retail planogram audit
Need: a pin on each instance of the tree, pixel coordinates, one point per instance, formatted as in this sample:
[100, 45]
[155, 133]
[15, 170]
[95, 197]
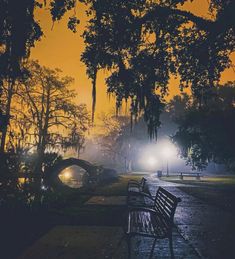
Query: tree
[18, 33]
[19, 30]
[115, 140]
[47, 109]
[143, 43]
[110, 130]
[206, 134]
[178, 105]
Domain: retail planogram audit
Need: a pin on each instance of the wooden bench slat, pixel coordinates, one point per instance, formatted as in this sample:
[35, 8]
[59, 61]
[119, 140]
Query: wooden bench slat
[155, 221]
[148, 223]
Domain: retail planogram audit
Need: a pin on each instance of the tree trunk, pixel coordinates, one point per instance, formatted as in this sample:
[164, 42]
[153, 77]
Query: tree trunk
[43, 133]
[8, 113]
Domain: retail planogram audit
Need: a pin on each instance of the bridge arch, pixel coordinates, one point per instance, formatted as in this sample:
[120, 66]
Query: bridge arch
[53, 175]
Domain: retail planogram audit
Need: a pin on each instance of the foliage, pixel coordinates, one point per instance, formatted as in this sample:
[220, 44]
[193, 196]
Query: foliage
[111, 137]
[47, 108]
[206, 133]
[18, 32]
[178, 105]
[44, 115]
[142, 43]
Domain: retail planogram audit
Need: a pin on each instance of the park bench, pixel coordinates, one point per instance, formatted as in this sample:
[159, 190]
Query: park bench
[134, 186]
[155, 222]
[185, 174]
[140, 199]
[136, 189]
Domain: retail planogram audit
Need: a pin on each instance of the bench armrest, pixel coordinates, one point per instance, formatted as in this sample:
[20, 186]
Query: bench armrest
[134, 184]
[137, 182]
[142, 209]
[141, 193]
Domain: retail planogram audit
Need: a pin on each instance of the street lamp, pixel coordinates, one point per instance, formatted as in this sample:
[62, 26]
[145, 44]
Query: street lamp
[168, 151]
[151, 162]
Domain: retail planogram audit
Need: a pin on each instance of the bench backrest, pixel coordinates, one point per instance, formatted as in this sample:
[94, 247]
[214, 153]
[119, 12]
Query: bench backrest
[165, 205]
[142, 183]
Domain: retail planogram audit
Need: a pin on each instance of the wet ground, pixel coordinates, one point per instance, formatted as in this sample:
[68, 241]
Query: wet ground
[201, 231]
[209, 229]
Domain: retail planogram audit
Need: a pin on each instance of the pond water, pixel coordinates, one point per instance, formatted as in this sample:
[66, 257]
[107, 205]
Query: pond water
[72, 176]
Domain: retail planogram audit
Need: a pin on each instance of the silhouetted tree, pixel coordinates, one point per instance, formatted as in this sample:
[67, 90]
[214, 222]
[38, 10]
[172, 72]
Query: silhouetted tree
[143, 43]
[178, 105]
[46, 106]
[18, 32]
[109, 130]
[206, 134]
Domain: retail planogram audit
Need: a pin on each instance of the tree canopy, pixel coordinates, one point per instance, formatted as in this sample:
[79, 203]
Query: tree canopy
[142, 43]
[44, 114]
[206, 134]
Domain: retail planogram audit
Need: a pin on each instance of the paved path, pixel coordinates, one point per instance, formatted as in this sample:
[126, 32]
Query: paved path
[205, 227]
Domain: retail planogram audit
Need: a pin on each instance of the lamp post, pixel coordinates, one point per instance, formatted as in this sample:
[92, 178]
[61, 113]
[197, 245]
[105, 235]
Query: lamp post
[151, 162]
[168, 151]
[167, 168]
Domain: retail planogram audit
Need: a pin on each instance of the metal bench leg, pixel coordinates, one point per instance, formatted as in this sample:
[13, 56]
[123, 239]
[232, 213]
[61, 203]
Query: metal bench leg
[171, 247]
[152, 250]
[128, 239]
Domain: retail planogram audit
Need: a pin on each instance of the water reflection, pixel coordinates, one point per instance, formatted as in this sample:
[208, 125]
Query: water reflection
[73, 176]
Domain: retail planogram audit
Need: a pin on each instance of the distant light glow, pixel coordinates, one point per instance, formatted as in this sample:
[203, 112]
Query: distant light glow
[67, 174]
[155, 156]
[169, 150]
[44, 188]
[151, 161]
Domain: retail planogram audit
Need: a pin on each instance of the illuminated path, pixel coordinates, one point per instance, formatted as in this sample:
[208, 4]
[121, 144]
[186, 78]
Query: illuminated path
[203, 226]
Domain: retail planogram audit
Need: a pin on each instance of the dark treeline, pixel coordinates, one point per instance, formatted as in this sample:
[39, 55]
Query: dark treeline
[206, 133]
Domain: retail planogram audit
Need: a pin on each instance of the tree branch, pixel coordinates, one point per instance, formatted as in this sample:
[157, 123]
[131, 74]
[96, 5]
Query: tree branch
[204, 24]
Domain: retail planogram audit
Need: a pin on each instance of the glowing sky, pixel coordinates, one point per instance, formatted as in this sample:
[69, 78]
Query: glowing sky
[61, 48]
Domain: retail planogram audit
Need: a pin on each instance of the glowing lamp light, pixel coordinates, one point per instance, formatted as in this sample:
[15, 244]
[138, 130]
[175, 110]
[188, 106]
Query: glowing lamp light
[169, 151]
[151, 161]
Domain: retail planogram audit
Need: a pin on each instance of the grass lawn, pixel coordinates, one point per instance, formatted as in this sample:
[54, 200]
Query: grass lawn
[75, 210]
[205, 180]
[118, 187]
[218, 191]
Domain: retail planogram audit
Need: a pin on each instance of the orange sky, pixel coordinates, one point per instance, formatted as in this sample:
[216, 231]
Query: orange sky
[61, 48]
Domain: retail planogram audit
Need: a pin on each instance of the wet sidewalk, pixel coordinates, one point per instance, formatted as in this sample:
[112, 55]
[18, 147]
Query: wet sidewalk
[205, 227]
